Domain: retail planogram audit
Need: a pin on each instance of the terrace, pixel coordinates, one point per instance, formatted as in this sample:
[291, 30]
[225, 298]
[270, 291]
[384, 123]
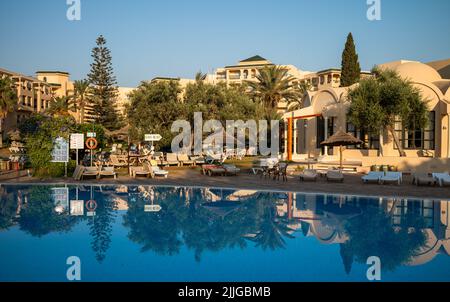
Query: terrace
[191, 176]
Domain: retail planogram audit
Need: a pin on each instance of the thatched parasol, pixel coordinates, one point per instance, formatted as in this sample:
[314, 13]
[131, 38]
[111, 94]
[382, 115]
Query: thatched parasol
[341, 139]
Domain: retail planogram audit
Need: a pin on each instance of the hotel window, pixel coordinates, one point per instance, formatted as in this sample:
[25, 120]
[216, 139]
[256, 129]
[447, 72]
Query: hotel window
[329, 79]
[370, 141]
[422, 139]
[320, 131]
[322, 80]
[245, 74]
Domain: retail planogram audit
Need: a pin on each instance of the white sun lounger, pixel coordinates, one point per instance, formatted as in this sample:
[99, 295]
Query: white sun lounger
[231, 169]
[309, 175]
[157, 171]
[392, 177]
[335, 175]
[172, 159]
[443, 179]
[372, 177]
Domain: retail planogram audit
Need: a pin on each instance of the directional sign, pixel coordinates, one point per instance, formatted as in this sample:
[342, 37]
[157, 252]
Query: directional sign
[152, 208]
[91, 134]
[60, 153]
[153, 137]
[77, 141]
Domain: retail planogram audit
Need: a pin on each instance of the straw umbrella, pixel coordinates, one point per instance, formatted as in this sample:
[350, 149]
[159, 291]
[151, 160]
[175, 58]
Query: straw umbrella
[341, 139]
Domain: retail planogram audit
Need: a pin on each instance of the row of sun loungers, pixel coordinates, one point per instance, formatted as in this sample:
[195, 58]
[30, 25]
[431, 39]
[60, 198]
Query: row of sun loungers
[441, 179]
[225, 169]
[82, 172]
[149, 170]
[313, 175]
[171, 159]
[383, 178]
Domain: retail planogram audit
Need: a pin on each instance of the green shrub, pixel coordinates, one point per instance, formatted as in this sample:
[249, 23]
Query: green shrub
[39, 144]
[98, 129]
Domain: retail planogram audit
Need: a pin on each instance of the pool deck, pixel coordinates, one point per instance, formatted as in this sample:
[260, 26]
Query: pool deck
[191, 177]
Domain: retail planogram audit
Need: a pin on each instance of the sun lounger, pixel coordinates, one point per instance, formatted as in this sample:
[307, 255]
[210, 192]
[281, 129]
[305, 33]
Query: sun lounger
[172, 159]
[78, 173]
[89, 172]
[231, 169]
[423, 178]
[141, 171]
[309, 175]
[211, 170]
[107, 172]
[392, 177]
[443, 179]
[157, 171]
[335, 175]
[116, 162]
[159, 156]
[372, 177]
[198, 160]
[184, 160]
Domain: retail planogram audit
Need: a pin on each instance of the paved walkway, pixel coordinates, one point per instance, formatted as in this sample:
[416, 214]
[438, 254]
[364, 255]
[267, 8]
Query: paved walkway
[192, 177]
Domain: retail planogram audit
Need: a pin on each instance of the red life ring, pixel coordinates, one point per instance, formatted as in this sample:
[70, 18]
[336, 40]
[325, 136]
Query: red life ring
[91, 143]
[91, 205]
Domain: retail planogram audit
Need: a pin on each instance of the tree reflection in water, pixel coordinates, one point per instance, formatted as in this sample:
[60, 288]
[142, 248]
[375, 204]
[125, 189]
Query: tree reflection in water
[38, 216]
[187, 219]
[372, 234]
[100, 226]
[8, 208]
[205, 220]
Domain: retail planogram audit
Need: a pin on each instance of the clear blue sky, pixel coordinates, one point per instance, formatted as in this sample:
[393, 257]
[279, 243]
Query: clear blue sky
[180, 37]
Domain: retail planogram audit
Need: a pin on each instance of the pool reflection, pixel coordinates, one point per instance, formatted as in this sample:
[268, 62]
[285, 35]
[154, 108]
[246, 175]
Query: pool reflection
[164, 220]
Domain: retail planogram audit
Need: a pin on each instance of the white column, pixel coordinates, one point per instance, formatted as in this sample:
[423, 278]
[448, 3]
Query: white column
[326, 135]
[294, 137]
[448, 135]
[381, 142]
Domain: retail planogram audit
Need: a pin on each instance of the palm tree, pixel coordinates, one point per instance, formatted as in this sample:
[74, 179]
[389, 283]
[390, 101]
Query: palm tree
[81, 97]
[200, 77]
[273, 86]
[8, 100]
[302, 90]
[60, 106]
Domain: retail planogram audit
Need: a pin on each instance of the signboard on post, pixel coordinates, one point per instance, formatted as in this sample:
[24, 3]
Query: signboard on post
[92, 134]
[77, 141]
[152, 137]
[152, 208]
[60, 153]
[61, 197]
[76, 208]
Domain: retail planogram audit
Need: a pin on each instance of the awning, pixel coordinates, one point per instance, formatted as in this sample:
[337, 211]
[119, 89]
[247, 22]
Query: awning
[304, 113]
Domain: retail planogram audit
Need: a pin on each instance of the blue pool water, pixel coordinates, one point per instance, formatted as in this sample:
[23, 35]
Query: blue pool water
[143, 233]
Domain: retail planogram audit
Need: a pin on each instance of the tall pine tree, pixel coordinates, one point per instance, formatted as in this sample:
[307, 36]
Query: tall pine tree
[351, 71]
[104, 86]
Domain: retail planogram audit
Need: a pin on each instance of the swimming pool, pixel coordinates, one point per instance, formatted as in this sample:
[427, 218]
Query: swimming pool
[145, 233]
